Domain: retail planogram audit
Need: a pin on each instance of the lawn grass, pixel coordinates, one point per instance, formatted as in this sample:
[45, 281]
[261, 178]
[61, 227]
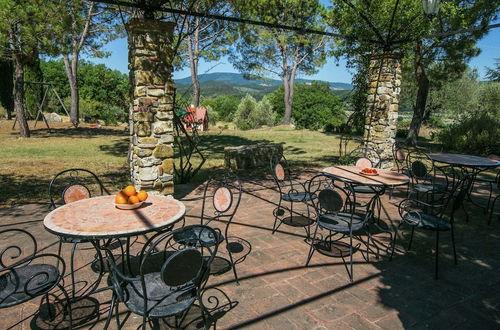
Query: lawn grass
[28, 164]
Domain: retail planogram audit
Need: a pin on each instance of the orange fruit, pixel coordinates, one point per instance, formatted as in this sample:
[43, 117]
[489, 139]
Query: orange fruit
[121, 198]
[133, 199]
[142, 195]
[129, 191]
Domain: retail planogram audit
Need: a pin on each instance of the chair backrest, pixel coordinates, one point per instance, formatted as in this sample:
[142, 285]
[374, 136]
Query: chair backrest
[365, 157]
[181, 266]
[280, 169]
[221, 198]
[419, 166]
[16, 245]
[74, 184]
[333, 195]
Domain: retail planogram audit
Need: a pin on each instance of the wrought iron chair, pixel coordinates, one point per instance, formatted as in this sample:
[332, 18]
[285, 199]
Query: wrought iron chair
[399, 153]
[25, 274]
[171, 278]
[492, 201]
[335, 210]
[291, 191]
[426, 178]
[69, 186]
[491, 182]
[427, 216]
[221, 200]
[365, 157]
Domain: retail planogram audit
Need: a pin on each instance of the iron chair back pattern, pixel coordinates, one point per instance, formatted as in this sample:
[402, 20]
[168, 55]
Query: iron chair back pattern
[399, 154]
[425, 175]
[221, 199]
[431, 216]
[25, 274]
[335, 210]
[290, 191]
[74, 184]
[68, 186]
[171, 277]
[365, 157]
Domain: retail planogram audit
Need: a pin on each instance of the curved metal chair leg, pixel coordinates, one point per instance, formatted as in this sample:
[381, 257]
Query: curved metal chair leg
[492, 209]
[312, 249]
[453, 244]
[395, 238]
[411, 238]
[110, 313]
[72, 269]
[351, 275]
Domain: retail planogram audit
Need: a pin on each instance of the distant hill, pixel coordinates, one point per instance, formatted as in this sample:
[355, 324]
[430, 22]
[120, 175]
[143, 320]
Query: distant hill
[217, 83]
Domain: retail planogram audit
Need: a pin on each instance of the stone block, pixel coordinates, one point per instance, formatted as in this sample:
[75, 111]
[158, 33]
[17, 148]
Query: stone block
[147, 100]
[165, 115]
[148, 174]
[142, 116]
[166, 107]
[156, 92]
[167, 138]
[168, 166]
[163, 151]
[252, 156]
[143, 129]
[162, 127]
[140, 91]
[142, 152]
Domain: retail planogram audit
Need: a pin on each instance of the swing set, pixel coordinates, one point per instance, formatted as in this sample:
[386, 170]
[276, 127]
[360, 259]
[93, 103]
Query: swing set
[47, 88]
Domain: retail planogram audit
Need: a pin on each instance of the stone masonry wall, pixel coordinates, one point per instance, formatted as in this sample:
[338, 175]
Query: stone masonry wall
[151, 153]
[382, 104]
[252, 156]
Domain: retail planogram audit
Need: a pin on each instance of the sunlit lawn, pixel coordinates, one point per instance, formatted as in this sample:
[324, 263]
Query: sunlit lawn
[28, 164]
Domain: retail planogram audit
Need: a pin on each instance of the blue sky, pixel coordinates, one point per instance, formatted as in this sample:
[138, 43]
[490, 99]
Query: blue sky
[331, 71]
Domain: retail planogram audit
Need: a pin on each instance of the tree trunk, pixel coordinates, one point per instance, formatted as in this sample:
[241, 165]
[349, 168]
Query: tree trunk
[193, 43]
[72, 74]
[421, 101]
[288, 98]
[18, 91]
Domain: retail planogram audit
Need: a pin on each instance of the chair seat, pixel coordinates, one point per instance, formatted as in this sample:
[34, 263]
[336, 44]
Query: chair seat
[73, 240]
[340, 222]
[363, 190]
[162, 300]
[298, 197]
[193, 238]
[12, 284]
[426, 221]
[425, 188]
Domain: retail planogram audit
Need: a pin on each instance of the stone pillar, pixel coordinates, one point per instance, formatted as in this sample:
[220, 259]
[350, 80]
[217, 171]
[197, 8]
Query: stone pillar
[384, 81]
[151, 153]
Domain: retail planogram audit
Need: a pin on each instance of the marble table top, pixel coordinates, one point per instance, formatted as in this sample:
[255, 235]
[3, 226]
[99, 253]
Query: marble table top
[97, 217]
[352, 173]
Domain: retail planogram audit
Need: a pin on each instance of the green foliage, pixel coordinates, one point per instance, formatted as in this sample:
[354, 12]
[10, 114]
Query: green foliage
[252, 114]
[33, 92]
[315, 106]
[224, 105]
[477, 130]
[493, 74]
[96, 81]
[6, 86]
[3, 112]
[110, 114]
[103, 92]
[213, 116]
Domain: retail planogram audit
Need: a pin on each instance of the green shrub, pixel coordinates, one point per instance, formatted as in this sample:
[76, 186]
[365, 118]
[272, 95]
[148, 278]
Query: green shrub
[225, 105]
[477, 131]
[213, 116]
[110, 114]
[252, 114]
[3, 112]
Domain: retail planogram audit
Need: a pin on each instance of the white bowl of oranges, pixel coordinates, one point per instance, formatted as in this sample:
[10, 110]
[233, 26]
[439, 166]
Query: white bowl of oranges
[129, 198]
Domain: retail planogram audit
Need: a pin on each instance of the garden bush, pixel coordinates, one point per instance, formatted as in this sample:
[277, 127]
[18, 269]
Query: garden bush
[252, 114]
[476, 131]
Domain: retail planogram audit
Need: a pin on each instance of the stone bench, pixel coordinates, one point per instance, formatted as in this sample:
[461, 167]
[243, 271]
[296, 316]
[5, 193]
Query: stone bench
[251, 156]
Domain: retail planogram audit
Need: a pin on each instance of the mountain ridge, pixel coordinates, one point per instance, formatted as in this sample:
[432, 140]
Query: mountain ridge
[240, 80]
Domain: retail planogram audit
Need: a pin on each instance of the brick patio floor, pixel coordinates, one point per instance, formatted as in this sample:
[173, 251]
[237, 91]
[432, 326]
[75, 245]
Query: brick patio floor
[278, 292]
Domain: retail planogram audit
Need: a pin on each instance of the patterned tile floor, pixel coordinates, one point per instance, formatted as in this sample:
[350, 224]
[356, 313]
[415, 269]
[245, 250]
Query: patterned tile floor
[277, 291]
